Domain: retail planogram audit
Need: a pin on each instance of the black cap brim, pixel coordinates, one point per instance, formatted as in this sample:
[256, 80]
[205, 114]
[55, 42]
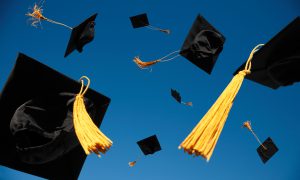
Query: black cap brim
[76, 42]
[30, 79]
[203, 44]
[277, 63]
[140, 20]
[149, 145]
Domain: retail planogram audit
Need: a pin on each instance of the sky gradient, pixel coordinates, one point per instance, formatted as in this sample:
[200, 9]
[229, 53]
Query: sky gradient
[141, 103]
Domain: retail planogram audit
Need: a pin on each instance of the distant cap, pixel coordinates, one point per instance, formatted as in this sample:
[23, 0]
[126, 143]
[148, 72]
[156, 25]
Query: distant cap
[81, 35]
[203, 44]
[266, 154]
[176, 95]
[140, 20]
[149, 145]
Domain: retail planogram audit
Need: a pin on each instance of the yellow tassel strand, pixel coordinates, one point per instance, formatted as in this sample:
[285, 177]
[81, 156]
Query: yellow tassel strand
[203, 138]
[37, 15]
[247, 125]
[88, 134]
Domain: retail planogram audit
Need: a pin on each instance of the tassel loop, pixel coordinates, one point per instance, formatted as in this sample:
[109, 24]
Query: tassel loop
[82, 92]
[254, 50]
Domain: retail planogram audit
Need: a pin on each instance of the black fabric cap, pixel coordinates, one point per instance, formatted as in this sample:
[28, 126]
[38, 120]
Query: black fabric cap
[140, 20]
[150, 145]
[176, 95]
[36, 124]
[277, 63]
[266, 154]
[81, 35]
[203, 45]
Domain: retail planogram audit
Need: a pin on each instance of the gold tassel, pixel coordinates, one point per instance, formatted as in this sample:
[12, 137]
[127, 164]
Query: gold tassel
[142, 64]
[37, 15]
[203, 138]
[132, 163]
[88, 134]
[247, 125]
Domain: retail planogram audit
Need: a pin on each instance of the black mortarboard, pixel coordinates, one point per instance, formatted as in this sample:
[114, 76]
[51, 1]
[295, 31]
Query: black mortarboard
[81, 35]
[266, 151]
[140, 20]
[36, 121]
[277, 63]
[203, 44]
[150, 145]
[176, 95]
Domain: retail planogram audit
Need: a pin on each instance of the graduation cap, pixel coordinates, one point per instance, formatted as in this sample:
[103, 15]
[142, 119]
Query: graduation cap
[149, 145]
[80, 36]
[36, 128]
[203, 44]
[202, 47]
[141, 20]
[266, 149]
[277, 63]
[177, 97]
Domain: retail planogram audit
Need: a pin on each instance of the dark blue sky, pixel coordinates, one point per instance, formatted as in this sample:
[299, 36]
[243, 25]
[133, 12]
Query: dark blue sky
[141, 102]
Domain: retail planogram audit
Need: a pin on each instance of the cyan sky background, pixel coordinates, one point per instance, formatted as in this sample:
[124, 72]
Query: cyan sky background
[141, 103]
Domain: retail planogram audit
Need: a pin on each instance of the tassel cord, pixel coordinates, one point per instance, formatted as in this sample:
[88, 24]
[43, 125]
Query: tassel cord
[167, 31]
[256, 137]
[58, 23]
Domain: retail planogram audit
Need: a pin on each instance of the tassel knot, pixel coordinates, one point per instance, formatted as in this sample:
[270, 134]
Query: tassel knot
[244, 72]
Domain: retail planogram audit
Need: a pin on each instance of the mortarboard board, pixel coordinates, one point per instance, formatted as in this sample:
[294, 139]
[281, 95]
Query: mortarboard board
[267, 150]
[81, 35]
[149, 145]
[140, 20]
[203, 44]
[36, 124]
[202, 47]
[176, 95]
[277, 63]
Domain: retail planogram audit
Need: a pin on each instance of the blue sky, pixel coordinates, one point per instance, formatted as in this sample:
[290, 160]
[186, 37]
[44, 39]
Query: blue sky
[141, 103]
